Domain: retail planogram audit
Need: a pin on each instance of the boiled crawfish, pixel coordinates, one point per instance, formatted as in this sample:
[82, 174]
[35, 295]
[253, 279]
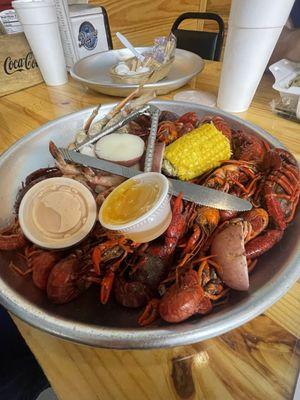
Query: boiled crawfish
[235, 177]
[69, 278]
[244, 145]
[185, 271]
[281, 187]
[12, 237]
[248, 147]
[169, 131]
[220, 124]
[194, 291]
[107, 258]
[40, 263]
[62, 275]
[184, 299]
[202, 223]
[151, 263]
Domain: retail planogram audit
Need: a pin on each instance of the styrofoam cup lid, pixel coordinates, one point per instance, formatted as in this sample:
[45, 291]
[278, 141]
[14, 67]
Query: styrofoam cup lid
[38, 12]
[197, 97]
[32, 3]
[259, 13]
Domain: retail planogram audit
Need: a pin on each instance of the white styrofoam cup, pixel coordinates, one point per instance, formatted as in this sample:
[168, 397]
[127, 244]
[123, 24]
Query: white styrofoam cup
[260, 13]
[243, 66]
[40, 26]
[254, 29]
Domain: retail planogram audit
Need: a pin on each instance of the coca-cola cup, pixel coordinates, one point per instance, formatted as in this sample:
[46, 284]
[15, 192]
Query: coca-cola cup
[254, 27]
[40, 26]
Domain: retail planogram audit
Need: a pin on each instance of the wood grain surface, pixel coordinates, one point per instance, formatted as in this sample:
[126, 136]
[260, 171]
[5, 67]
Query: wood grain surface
[141, 20]
[258, 361]
[220, 7]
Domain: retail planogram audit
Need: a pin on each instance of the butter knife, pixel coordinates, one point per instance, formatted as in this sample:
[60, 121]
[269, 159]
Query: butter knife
[191, 192]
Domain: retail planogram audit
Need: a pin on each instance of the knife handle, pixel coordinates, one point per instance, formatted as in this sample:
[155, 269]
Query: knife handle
[151, 141]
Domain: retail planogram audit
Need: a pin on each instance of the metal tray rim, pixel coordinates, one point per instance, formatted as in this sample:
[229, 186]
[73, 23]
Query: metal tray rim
[147, 338]
[157, 85]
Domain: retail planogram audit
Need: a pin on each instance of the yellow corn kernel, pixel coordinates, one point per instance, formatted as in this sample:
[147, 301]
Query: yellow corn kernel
[196, 152]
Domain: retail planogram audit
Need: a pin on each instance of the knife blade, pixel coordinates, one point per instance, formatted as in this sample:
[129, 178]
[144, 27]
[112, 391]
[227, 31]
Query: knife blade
[195, 193]
[208, 197]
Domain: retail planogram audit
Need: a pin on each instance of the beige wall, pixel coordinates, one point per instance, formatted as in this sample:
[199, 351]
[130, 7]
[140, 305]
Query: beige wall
[142, 20]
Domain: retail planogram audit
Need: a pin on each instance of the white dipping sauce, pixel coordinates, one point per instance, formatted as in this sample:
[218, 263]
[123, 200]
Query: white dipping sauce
[57, 213]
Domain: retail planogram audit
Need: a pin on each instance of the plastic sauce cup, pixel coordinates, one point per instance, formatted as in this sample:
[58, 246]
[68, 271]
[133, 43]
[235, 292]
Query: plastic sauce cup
[57, 213]
[154, 221]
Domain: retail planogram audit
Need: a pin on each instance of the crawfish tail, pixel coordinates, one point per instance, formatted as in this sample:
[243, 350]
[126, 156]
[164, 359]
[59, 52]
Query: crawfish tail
[12, 242]
[262, 243]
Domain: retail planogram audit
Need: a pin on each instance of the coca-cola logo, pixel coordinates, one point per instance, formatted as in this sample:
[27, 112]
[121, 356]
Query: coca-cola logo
[12, 66]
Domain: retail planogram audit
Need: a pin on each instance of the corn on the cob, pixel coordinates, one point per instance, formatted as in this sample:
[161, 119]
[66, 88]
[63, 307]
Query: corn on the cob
[196, 152]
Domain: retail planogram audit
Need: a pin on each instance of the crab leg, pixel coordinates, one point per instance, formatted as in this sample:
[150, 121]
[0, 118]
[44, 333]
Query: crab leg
[98, 126]
[91, 118]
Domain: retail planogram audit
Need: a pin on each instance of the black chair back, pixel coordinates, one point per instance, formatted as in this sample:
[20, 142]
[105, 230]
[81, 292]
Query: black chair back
[208, 45]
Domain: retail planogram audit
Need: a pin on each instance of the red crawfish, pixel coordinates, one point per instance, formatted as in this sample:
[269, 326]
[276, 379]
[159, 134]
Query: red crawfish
[169, 131]
[40, 263]
[150, 263]
[12, 237]
[194, 291]
[247, 146]
[70, 277]
[220, 123]
[280, 189]
[202, 223]
[107, 258]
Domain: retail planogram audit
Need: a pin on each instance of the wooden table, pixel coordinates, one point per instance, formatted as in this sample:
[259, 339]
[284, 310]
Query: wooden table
[260, 360]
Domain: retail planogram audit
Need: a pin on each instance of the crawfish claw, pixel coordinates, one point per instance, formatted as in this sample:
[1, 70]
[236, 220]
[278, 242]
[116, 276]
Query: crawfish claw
[106, 286]
[150, 313]
[96, 258]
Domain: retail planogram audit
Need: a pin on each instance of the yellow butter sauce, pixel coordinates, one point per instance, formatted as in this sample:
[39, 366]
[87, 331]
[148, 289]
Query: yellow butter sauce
[129, 201]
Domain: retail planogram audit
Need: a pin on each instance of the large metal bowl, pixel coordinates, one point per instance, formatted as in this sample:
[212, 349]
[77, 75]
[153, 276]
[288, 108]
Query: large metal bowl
[85, 320]
[94, 72]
